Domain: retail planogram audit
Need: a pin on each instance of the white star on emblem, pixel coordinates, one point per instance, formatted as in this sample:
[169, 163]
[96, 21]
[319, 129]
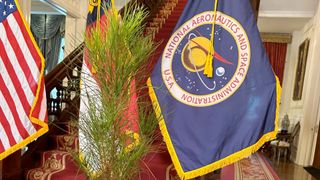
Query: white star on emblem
[4, 13]
[11, 6]
[5, 3]
[0, 1]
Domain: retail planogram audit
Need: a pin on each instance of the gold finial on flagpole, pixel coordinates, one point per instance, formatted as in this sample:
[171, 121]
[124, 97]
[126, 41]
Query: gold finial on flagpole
[98, 13]
[92, 4]
[114, 8]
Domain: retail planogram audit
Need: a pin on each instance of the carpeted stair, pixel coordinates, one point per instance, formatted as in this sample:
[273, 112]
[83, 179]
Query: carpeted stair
[158, 165]
[162, 25]
[58, 163]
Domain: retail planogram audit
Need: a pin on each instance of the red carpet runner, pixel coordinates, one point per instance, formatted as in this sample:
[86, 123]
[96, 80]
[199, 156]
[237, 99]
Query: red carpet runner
[255, 167]
[58, 164]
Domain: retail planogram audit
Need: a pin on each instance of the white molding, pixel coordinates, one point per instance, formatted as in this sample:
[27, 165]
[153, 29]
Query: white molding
[286, 14]
[49, 13]
[59, 10]
[68, 7]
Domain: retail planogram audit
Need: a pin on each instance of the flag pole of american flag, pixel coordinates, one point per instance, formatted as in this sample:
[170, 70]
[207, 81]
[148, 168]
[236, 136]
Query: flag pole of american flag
[23, 104]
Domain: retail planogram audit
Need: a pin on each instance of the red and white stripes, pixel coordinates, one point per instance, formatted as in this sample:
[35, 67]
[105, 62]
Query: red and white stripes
[23, 108]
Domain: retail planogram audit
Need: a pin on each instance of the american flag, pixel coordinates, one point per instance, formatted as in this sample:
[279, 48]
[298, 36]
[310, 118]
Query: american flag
[23, 106]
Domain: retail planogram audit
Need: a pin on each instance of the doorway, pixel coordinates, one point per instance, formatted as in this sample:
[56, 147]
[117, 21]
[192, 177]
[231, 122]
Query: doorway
[48, 28]
[316, 159]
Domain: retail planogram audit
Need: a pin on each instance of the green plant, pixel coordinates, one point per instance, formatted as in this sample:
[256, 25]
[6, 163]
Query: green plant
[118, 50]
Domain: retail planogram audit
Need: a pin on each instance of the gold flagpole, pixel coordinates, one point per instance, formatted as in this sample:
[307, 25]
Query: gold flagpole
[114, 8]
[208, 69]
[99, 13]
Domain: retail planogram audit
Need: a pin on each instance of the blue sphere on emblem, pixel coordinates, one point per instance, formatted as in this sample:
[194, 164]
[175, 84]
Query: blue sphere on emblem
[220, 71]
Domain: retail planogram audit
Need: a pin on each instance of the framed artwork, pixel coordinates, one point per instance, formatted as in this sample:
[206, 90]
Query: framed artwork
[300, 71]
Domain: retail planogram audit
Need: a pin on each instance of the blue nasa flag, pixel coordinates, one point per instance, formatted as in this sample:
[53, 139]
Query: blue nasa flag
[208, 123]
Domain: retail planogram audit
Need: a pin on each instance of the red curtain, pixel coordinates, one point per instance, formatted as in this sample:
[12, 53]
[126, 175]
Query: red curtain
[277, 55]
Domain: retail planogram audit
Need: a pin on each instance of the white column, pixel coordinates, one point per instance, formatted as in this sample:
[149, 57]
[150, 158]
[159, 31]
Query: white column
[25, 6]
[70, 35]
[81, 22]
[75, 25]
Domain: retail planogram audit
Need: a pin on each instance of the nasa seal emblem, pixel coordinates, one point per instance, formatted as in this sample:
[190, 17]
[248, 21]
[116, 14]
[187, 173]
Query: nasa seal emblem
[184, 58]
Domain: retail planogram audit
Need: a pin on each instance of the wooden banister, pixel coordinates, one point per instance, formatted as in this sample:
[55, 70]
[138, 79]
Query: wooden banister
[62, 83]
[62, 87]
[151, 5]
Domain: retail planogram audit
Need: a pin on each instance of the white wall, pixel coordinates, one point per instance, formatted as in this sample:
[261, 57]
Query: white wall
[312, 95]
[305, 110]
[76, 20]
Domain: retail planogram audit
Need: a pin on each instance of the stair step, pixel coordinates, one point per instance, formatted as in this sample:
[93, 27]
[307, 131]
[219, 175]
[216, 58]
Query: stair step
[70, 126]
[164, 33]
[64, 128]
[56, 165]
[65, 142]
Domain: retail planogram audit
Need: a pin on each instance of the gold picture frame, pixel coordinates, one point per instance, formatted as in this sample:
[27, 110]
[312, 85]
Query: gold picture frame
[301, 69]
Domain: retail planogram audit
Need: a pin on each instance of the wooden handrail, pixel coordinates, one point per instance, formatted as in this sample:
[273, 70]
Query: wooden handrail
[63, 66]
[62, 83]
[151, 5]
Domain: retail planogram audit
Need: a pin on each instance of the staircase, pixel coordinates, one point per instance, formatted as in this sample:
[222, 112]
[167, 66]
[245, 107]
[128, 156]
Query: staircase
[58, 163]
[50, 157]
[158, 165]
[162, 24]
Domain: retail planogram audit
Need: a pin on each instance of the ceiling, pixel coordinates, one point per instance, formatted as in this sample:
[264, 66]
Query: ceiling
[43, 7]
[280, 16]
[277, 16]
[285, 16]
